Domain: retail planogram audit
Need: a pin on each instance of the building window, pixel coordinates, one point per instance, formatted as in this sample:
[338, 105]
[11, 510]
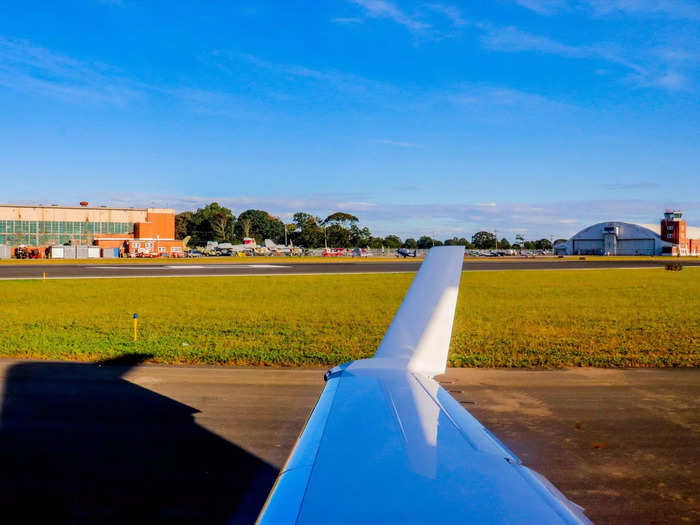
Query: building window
[670, 236]
[162, 249]
[176, 249]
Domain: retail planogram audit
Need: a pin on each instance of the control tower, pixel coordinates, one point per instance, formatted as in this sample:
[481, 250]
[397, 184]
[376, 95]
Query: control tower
[675, 230]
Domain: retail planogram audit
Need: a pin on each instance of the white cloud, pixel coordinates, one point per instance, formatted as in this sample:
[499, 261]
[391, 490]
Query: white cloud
[347, 20]
[670, 8]
[492, 99]
[626, 186]
[543, 7]
[651, 68]
[399, 144]
[671, 80]
[327, 81]
[512, 39]
[356, 206]
[678, 9]
[469, 98]
[451, 12]
[386, 9]
[28, 68]
[32, 69]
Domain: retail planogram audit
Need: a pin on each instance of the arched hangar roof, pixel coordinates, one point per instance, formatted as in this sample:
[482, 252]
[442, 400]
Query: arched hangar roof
[624, 230]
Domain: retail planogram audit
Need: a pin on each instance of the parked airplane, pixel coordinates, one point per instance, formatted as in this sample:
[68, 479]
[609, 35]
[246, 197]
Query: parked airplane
[281, 248]
[214, 247]
[386, 444]
[249, 245]
[403, 252]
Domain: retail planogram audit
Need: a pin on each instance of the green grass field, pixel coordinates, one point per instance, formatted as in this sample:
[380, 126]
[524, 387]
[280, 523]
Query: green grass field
[505, 318]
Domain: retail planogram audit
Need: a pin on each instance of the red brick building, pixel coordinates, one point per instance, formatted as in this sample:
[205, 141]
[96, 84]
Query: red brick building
[144, 231]
[154, 237]
[674, 230]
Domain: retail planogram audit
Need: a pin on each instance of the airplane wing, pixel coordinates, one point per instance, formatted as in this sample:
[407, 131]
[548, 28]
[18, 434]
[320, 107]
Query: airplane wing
[386, 444]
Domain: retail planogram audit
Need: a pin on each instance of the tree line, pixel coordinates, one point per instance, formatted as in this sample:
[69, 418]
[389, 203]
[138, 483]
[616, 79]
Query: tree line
[217, 223]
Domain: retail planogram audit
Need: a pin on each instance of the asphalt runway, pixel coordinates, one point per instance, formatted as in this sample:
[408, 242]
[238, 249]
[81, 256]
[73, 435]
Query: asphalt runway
[288, 267]
[118, 442]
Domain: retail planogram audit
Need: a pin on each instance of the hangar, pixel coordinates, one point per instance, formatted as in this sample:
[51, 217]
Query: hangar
[614, 238]
[131, 231]
[623, 238]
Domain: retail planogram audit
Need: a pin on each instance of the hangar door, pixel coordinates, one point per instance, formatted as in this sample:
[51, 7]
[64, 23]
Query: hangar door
[635, 246]
[587, 246]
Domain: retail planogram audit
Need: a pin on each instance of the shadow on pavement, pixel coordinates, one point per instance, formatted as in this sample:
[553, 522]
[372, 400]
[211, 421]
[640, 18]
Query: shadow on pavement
[79, 444]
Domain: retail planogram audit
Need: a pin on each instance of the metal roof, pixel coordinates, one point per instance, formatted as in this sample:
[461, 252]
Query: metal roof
[625, 230]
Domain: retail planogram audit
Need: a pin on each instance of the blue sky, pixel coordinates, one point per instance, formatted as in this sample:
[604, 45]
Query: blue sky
[522, 116]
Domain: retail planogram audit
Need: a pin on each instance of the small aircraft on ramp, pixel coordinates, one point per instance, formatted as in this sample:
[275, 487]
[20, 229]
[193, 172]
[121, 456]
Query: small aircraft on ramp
[404, 252]
[281, 249]
[387, 444]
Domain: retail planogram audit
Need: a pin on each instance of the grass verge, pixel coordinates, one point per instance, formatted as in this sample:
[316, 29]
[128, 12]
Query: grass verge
[606, 318]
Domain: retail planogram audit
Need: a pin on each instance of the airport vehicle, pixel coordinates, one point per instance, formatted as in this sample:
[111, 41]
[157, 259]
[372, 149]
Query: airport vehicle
[403, 252]
[360, 252]
[333, 252]
[26, 252]
[386, 444]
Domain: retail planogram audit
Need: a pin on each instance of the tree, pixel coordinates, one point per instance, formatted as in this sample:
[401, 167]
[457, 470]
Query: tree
[220, 226]
[377, 243]
[529, 245]
[301, 219]
[484, 240]
[425, 242]
[359, 237]
[543, 244]
[504, 244]
[260, 225]
[309, 234]
[338, 230]
[461, 241]
[245, 227]
[337, 236]
[410, 243]
[392, 241]
[211, 223]
[289, 230]
[183, 226]
[340, 217]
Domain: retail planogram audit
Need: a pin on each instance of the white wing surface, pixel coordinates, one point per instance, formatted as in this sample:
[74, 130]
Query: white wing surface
[386, 444]
[420, 333]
